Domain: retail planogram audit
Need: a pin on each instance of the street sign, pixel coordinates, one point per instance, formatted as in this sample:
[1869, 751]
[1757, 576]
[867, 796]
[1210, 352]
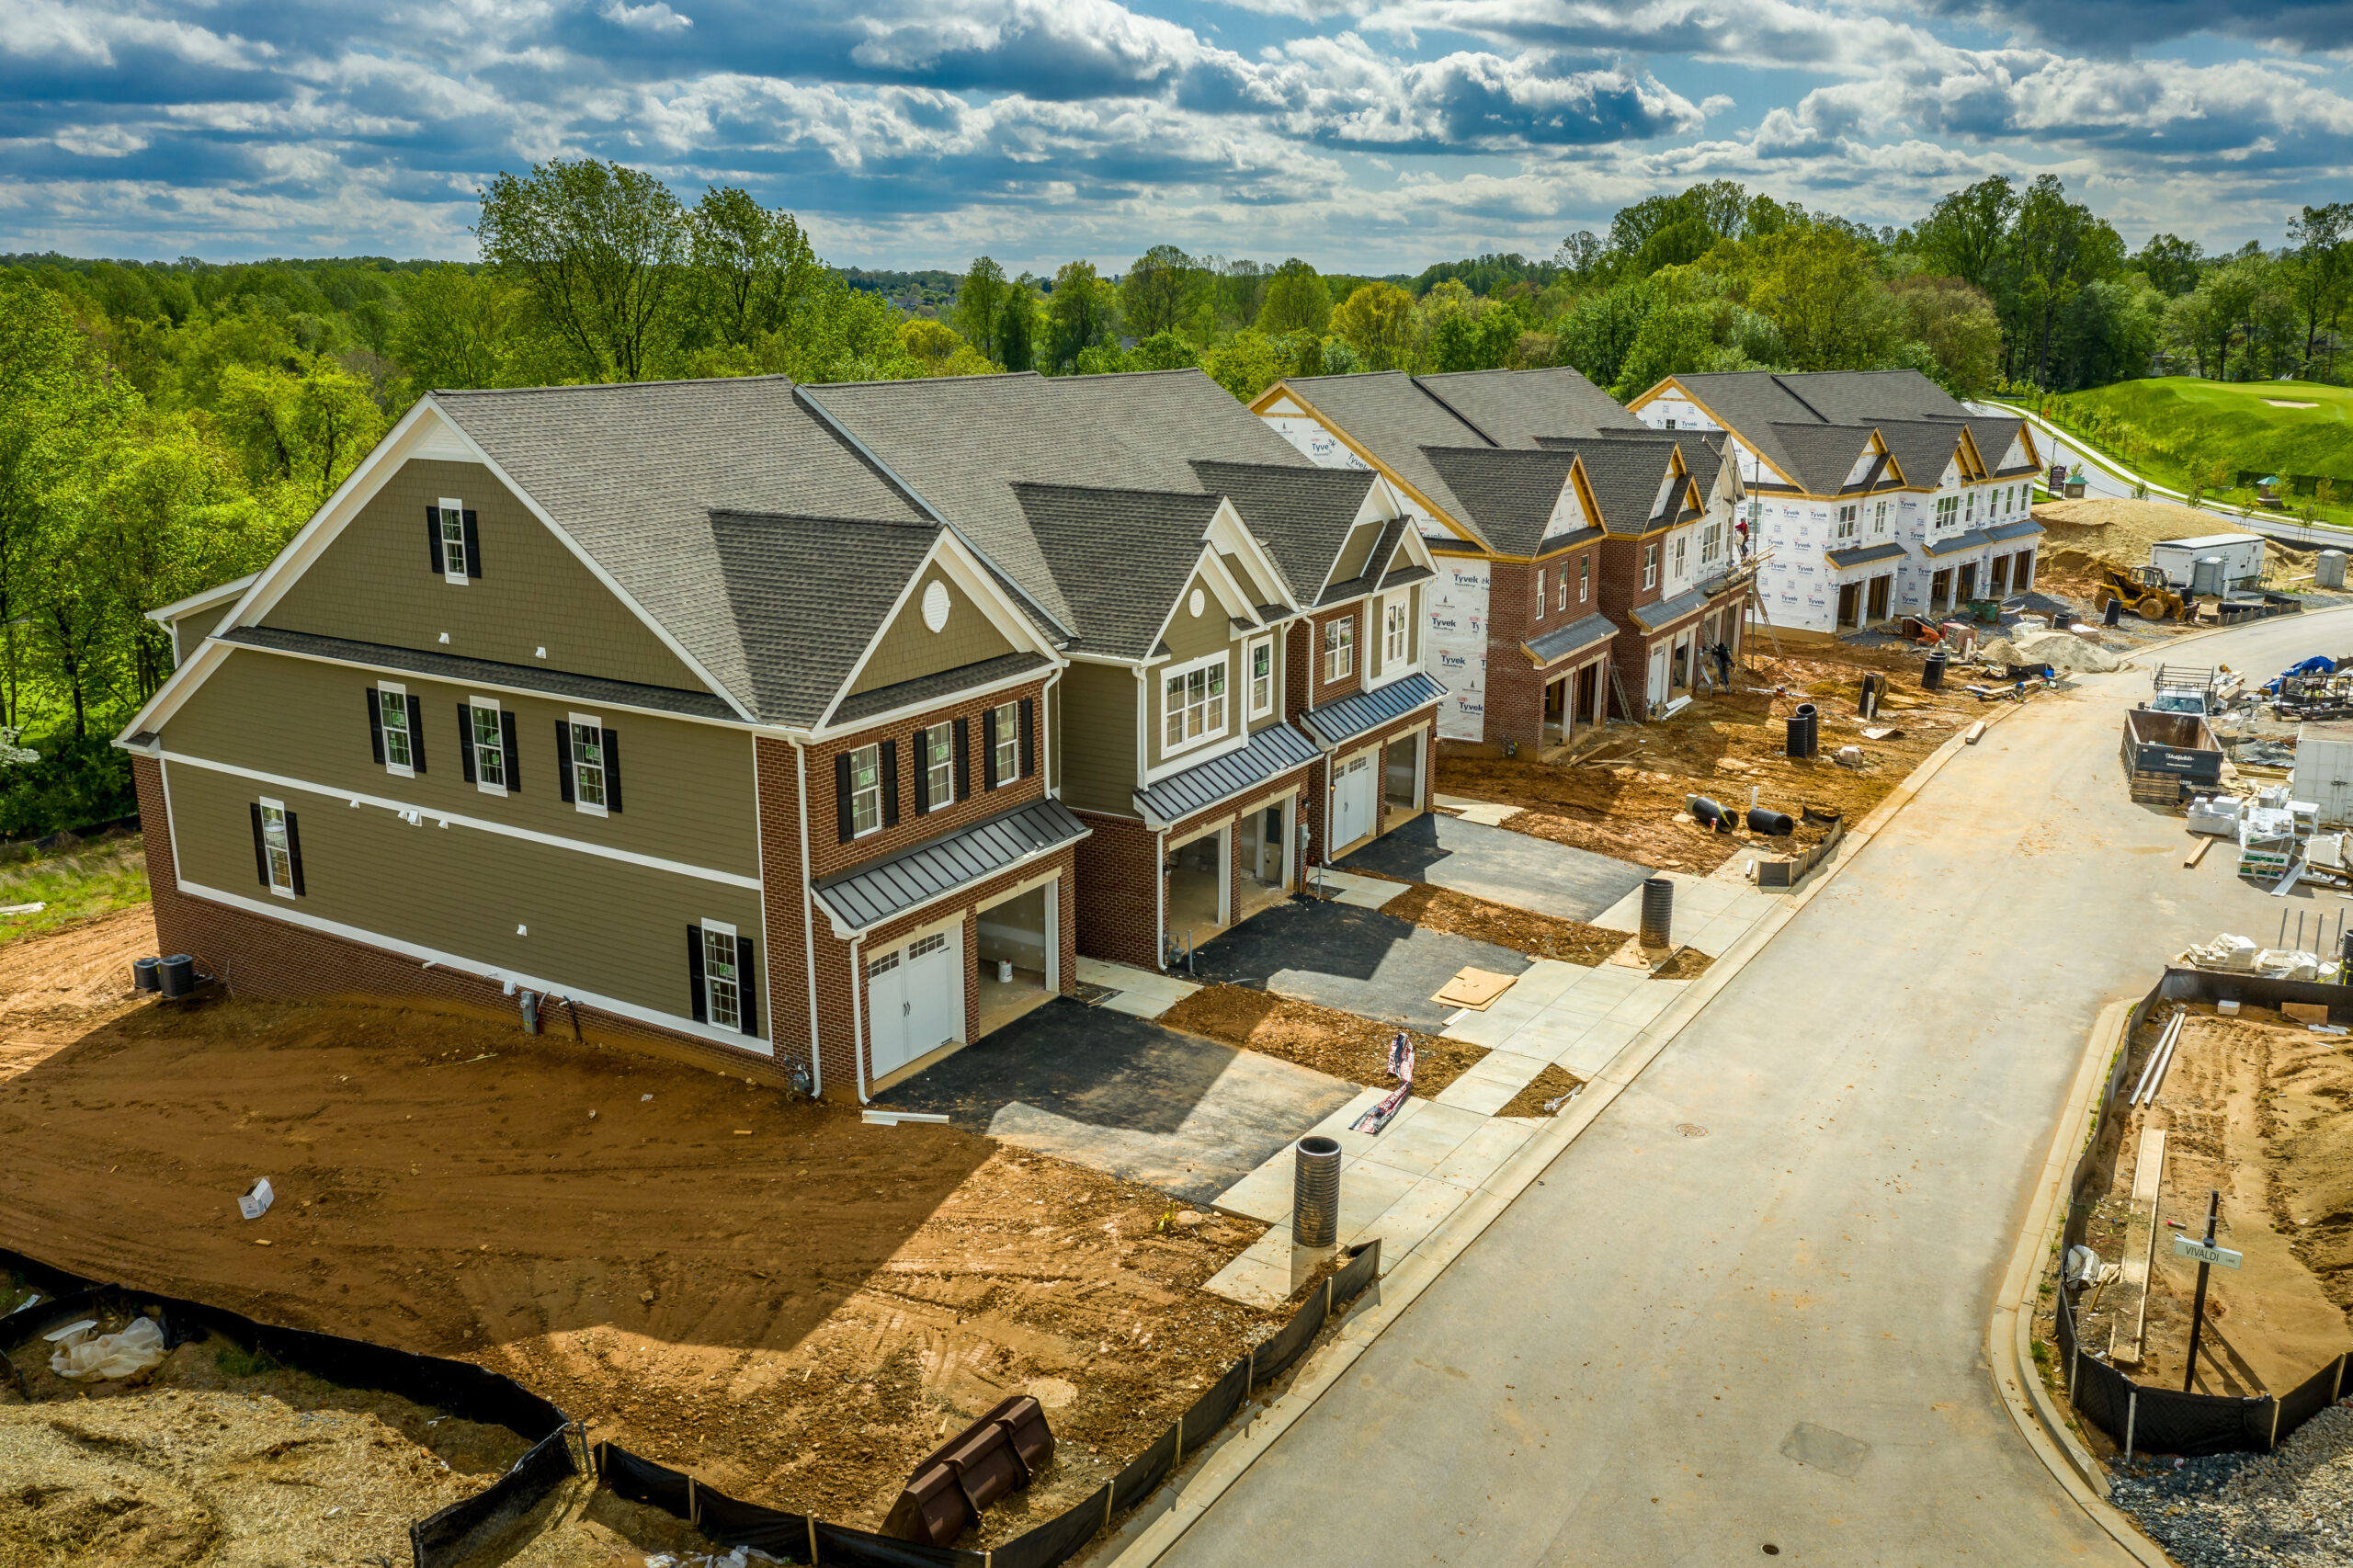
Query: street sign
[2200, 1252]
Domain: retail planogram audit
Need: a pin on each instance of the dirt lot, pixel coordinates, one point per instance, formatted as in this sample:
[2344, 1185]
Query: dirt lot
[788, 1302]
[2262, 1110]
[1323, 1038]
[220, 1458]
[1625, 797]
[1523, 931]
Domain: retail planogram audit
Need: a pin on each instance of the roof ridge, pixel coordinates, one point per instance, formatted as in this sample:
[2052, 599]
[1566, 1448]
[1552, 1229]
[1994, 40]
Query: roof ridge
[1784, 385]
[1110, 489]
[605, 386]
[913, 525]
[1423, 387]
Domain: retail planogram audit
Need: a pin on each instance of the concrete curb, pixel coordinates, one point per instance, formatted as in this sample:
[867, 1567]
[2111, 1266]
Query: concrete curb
[2009, 1332]
[1165, 1518]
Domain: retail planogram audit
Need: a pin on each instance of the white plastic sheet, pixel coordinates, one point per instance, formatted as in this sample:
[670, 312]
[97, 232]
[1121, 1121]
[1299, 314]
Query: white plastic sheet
[137, 1349]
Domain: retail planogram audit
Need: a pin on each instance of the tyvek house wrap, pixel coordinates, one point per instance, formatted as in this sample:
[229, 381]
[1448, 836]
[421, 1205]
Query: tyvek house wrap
[1456, 640]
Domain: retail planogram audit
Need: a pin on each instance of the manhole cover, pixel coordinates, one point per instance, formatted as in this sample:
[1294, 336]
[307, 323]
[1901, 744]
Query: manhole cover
[1690, 1129]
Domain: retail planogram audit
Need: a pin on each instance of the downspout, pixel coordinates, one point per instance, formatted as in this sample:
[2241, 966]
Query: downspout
[858, 1017]
[1045, 736]
[1160, 896]
[808, 924]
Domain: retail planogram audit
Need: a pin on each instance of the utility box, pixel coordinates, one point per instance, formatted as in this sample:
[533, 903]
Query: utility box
[2241, 556]
[2324, 770]
[2328, 569]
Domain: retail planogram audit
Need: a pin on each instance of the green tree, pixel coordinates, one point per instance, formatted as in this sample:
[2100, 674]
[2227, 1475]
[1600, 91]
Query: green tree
[1818, 288]
[1164, 351]
[1956, 323]
[2322, 273]
[1377, 322]
[1080, 314]
[981, 296]
[1017, 329]
[1296, 301]
[1598, 333]
[753, 266]
[1967, 233]
[1247, 365]
[600, 250]
[1162, 290]
[2171, 263]
[456, 328]
[2060, 246]
[304, 434]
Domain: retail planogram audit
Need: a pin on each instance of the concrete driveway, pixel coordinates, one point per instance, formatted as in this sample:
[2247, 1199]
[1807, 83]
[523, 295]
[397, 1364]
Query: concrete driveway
[1747, 1307]
[1497, 864]
[1123, 1094]
[1359, 961]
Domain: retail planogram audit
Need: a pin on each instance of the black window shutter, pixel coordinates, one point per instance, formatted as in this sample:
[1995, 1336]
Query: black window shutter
[416, 732]
[918, 746]
[746, 987]
[375, 727]
[564, 758]
[988, 749]
[888, 756]
[841, 796]
[693, 973]
[294, 850]
[514, 752]
[261, 848]
[612, 770]
[1029, 736]
[963, 759]
[433, 533]
[473, 548]
[466, 740]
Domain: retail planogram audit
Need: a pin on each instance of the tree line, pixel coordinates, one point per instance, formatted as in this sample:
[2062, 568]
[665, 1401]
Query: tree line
[164, 426]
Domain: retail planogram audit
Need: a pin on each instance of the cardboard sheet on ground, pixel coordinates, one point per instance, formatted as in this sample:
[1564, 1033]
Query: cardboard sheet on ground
[1474, 988]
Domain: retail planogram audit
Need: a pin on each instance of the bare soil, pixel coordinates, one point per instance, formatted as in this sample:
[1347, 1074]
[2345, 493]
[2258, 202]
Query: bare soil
[1626, 797]
[1689, 964]
[1547, 1085]
[57, 987]
[1521, 930]
[2261, 1110]
[1323, 1038]
[768, 1293]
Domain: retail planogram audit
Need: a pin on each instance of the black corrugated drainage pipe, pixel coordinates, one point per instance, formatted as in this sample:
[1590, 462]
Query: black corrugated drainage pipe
[1315, 1192]
[1706, 813]
[1774, 825]
[1658, 912]
[1932, 674]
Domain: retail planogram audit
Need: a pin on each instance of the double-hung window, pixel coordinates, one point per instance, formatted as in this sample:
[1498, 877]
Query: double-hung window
[397, 737]
[1393, 635]
[486, 742]
[722, 985]
[1650, 566]
[1969, 507]
[1339, 647]
[1682, 561]
[1846, 522]
[277, 851]
[586, 733]
[1585, 576]
[1879, 518]
[1260, 662]
[1193, 704]
[1712, 542]
[1539, 593]
[454, 559]
[1562, 601]
[1005, 736]
[936, 757]
[865, 791]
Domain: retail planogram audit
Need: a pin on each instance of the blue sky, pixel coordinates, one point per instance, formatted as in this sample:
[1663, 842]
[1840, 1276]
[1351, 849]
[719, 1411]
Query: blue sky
[1365, 135]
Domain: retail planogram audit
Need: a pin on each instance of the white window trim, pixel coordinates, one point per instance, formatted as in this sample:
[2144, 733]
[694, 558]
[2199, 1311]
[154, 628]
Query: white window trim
[858, 832]
[1585, 577]
[1326, 651]
[939, 797]
[591, 722]
[1650, 566]
[1250, 652]
[481, 784]
[1225, 726]
[1539, 593]
[1008, 744]
[268, 805]
[710, 998]
[451, 504]
[397, 770]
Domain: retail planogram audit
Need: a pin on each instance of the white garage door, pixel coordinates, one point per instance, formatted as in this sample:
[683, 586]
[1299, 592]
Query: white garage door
[914, 996]
[1352, 799]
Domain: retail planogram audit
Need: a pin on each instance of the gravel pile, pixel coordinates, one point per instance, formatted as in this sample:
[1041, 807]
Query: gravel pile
[2293, 1507]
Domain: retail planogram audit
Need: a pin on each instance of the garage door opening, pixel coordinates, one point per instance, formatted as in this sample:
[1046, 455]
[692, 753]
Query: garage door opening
[1197, 886]
[1265, 833]
[1400, 780]
[1017, 958]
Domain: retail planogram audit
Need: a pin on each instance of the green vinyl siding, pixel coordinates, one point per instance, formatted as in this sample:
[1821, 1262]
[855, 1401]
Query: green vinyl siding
[686, 792]
[1096, 740]
[908, 648]
[1189, 636]
[1356, 555]
[604, 926]
[375, 583]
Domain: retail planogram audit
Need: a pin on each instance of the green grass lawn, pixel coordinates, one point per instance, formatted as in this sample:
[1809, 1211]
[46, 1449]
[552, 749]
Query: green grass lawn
[2176, 428]
[73, 884]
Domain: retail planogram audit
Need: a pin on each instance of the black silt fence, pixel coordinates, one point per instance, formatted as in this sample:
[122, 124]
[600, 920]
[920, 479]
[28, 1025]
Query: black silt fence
[799, 1539]
[463, 1390]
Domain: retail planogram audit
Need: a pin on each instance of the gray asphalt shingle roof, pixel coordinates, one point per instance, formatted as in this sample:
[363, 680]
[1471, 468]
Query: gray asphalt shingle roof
[930, 689]
[1919, 420]
[962, 442]
[485, 672]
[631, 473]
[1511, 493]
[1864, 555]
[865, 896]
[1131, 552]
[2021, 527]
[1302, 515]
[1664, 613]
[1820, 457]
[1513, 408]
[1390, 416]
[1625, 476]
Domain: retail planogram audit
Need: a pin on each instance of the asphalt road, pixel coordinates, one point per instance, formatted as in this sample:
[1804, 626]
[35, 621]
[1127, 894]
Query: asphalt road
[1747, 1307]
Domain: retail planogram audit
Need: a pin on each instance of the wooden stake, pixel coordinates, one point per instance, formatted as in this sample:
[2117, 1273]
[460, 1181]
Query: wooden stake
[2204, 844]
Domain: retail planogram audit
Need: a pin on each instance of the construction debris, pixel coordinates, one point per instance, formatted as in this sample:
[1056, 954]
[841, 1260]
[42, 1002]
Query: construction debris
[2060, 650]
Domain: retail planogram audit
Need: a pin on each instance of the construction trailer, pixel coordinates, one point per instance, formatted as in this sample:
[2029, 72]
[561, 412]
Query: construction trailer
[2233, 560]
[2324, 770]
